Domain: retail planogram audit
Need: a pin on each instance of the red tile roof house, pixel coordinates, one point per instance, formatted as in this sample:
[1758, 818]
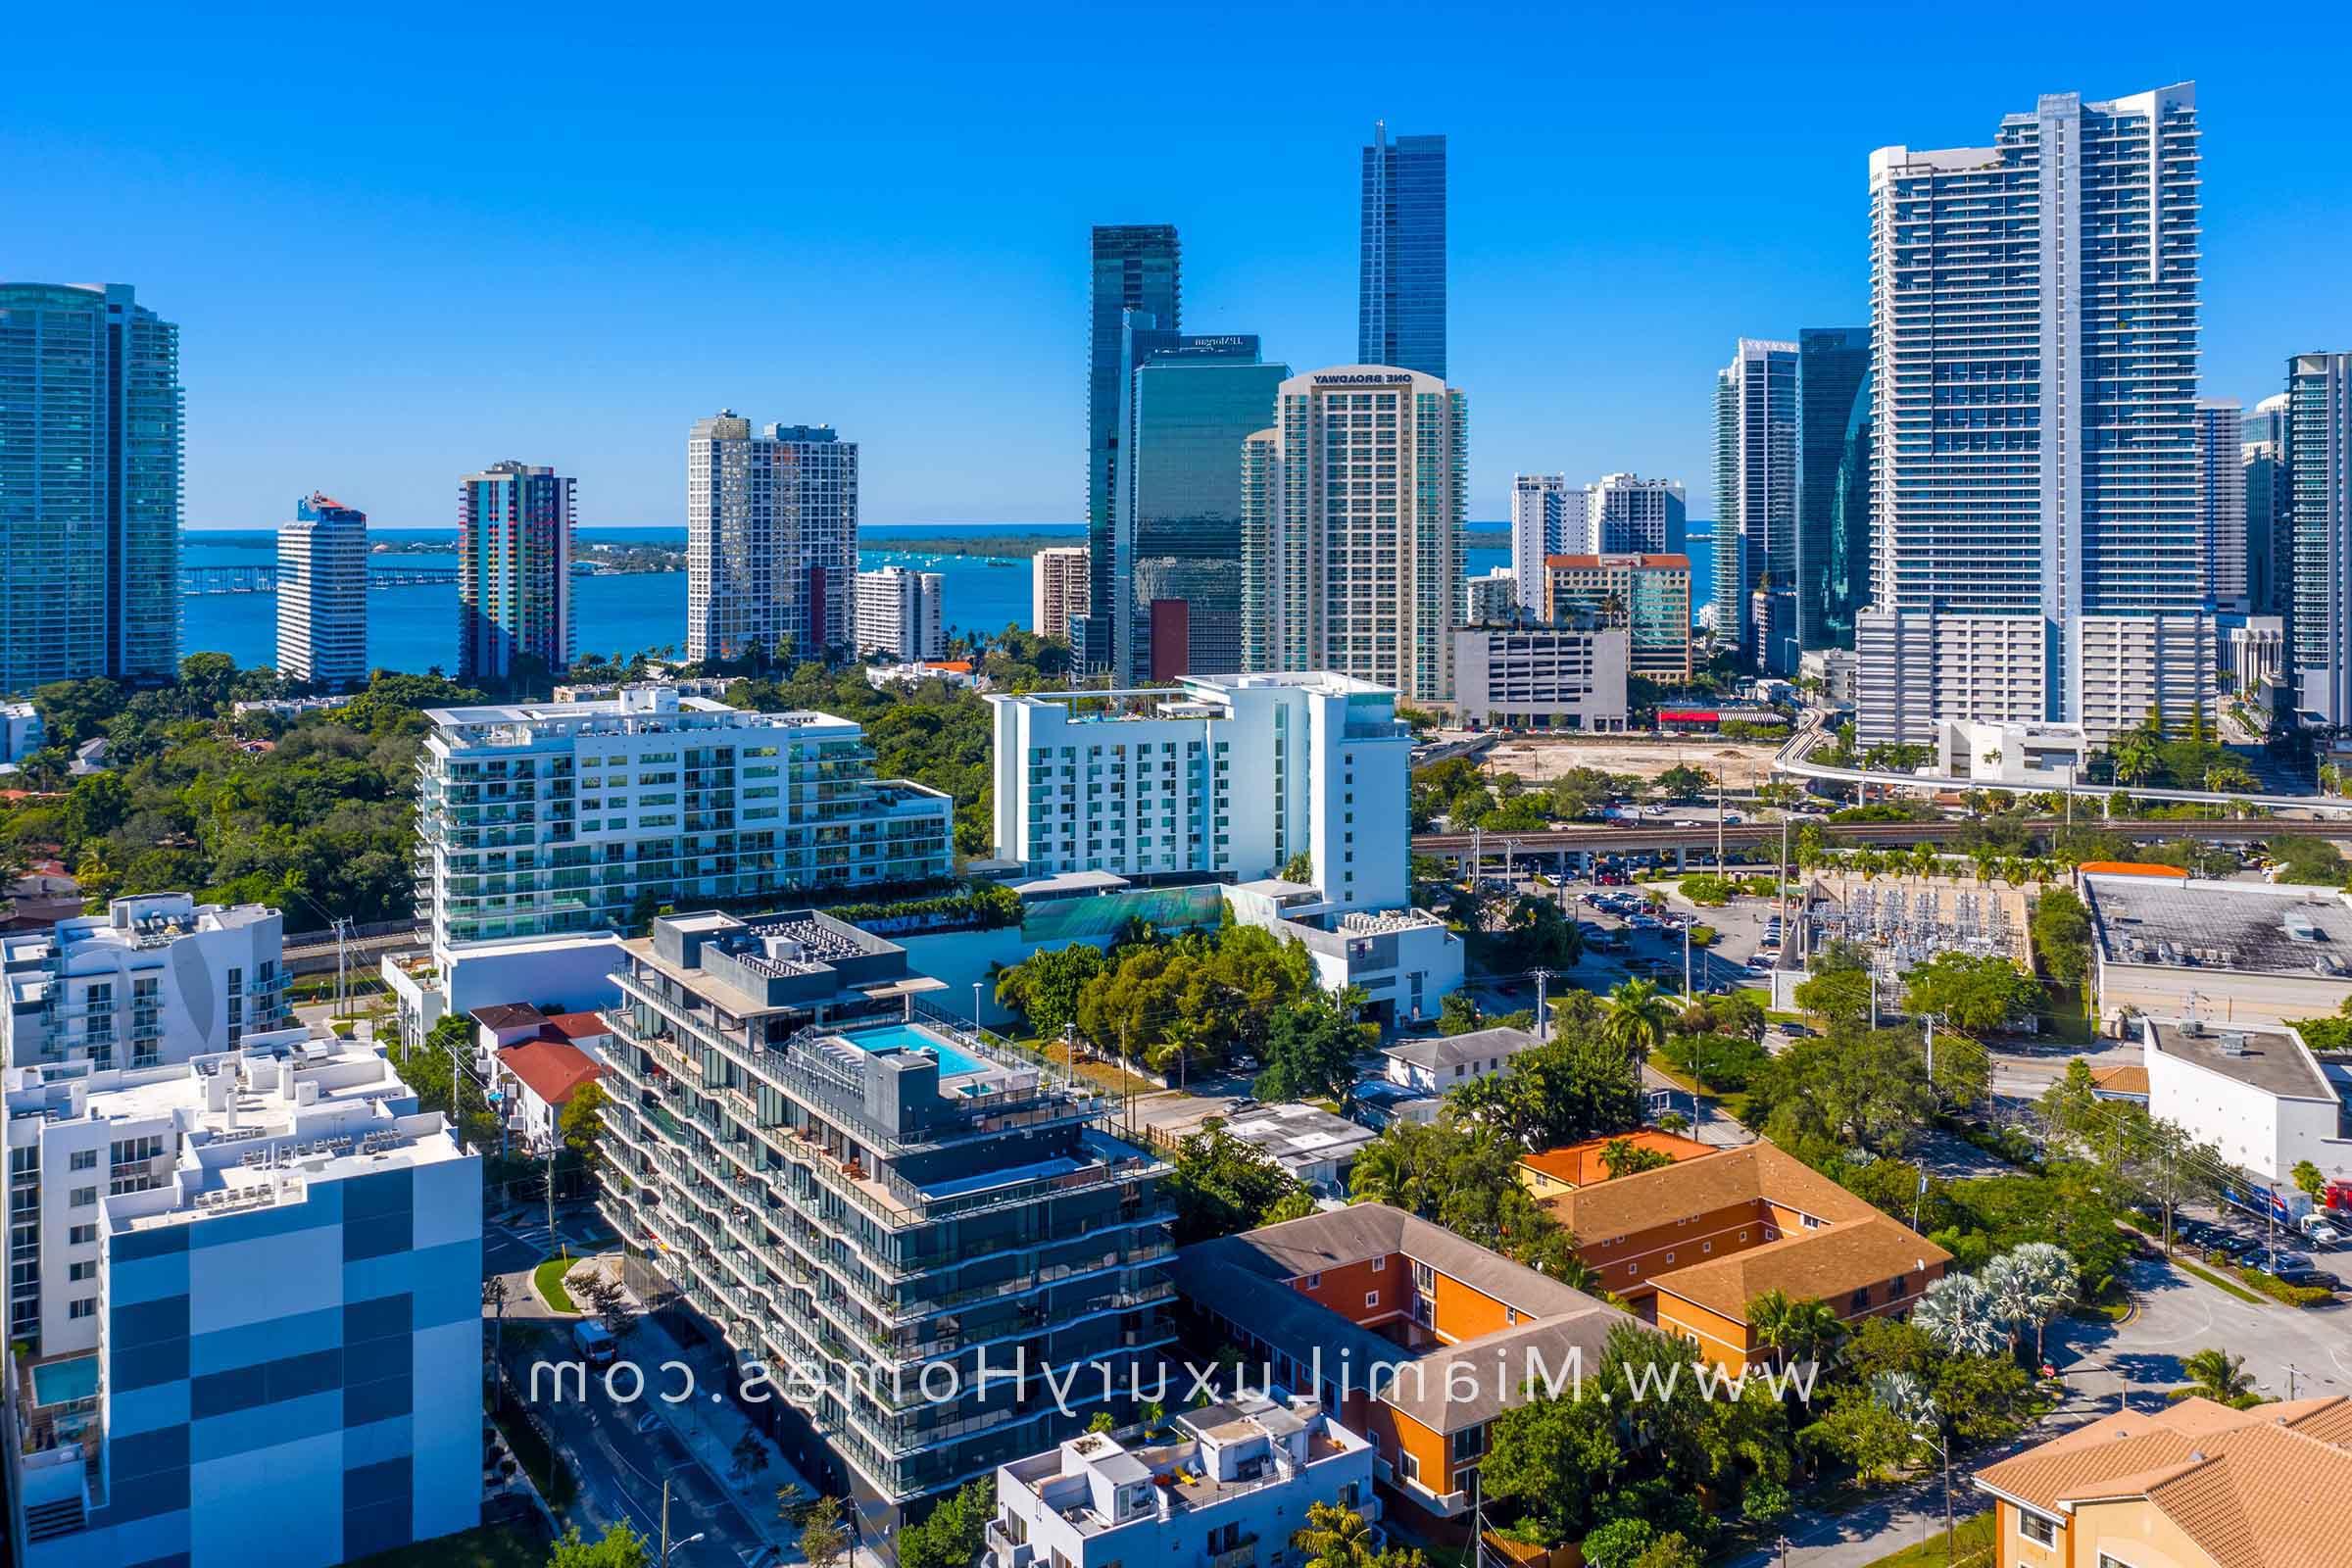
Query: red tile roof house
[541, 1076]
[542, 1061]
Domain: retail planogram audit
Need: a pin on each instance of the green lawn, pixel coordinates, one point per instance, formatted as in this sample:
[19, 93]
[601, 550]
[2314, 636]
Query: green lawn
[549, 1277]
[1970, 1544]
[488, 1546]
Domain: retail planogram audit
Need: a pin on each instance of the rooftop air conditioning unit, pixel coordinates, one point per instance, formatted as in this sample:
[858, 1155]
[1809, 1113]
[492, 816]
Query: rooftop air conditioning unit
[2232, 1043]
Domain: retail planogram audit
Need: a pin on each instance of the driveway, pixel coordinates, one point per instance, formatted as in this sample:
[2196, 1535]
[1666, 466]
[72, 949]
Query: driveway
[2178, 1315]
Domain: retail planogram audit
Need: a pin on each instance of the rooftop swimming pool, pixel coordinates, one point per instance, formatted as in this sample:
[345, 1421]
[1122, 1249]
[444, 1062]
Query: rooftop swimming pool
[62, 1382]
[954, 1059]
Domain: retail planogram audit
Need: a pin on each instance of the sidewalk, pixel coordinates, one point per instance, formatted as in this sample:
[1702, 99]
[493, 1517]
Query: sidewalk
[710, 1425]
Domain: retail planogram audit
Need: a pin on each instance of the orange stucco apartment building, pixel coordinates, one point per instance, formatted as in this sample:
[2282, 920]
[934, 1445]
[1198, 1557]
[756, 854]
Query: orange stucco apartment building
[1689, 1245]
[2197, 1485]
[1412, 1336]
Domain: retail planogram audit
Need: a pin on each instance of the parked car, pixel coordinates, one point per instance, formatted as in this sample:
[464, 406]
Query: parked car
[2310, 1277]
[2318, 1231]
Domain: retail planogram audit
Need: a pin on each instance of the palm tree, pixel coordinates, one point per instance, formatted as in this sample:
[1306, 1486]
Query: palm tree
[2214, 1374]
[1334, 1538]
[1958, 1314]
[1985, 858]
[1637, 1017]
[2031, 1283]
[1793, 1329]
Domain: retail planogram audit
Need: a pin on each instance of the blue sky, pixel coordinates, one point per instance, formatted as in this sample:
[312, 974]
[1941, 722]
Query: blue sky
[404, 241]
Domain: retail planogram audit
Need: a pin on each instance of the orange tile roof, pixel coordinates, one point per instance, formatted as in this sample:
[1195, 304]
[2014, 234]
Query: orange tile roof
[577, 1025]
[550, 1070]
[2266, 1488]
[2125, 1078]
[1581, 1165]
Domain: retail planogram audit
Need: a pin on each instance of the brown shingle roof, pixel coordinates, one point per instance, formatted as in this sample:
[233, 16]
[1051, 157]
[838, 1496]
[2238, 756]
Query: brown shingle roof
[1247, 1279]
[1593, 1214]
[1826, 1265]
[2266, 1488]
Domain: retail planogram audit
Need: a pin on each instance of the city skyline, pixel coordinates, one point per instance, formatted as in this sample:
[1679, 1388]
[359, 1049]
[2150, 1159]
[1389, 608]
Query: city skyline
[1272, 243]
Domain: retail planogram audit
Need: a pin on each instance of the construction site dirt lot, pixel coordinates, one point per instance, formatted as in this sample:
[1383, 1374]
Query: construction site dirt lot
[1739, 764]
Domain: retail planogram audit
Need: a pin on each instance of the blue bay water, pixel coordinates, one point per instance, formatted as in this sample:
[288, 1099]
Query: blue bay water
[415, 629]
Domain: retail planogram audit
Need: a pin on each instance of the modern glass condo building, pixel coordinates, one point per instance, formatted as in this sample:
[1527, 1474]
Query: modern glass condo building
[515, 537]
[908, 1222]
[1179, 525]
[1755, 502]
[1138, 268]
[2040, 552]
[1401, 289]
[2318, 458]
[1832, 574]
[2222, 500]
[537, 817]
[2270, 509]
[772, 539]
[91, 407]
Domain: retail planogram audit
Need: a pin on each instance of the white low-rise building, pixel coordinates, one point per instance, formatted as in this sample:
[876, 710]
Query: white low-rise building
[1443, 1062]
[22, 732]
[573, 973]
[2038, 756]
[1405, 961]
[2234, 953]
[1227, 1489]
[1231, 776]
[157, 978]
[2256, 1094]
[538, 817]
[268, 1345]
[1307, 1141]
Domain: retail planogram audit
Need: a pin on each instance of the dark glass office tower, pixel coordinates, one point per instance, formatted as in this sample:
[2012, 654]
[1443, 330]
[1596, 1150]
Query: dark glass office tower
[89, 486]
[1401, 305]
[1832, 500]
[1180, 515]
[1137, 267]
[1113, 638]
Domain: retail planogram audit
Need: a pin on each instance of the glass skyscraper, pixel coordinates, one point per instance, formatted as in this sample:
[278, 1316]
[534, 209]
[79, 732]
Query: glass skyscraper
[2038, 551]
[2270, 509]
[90, 409]
[1180, 516]
[1833, 523]
[515, 535]
[1401, 304]
[1136, 267]
[2319, 460]
[1755, 505]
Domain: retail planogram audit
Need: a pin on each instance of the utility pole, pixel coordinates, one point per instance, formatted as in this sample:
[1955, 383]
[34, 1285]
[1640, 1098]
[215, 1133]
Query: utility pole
[342, 933]
[1688, 998]
[1718, 860]
[1542, 976]
[2291, 1370]
[664, 1561]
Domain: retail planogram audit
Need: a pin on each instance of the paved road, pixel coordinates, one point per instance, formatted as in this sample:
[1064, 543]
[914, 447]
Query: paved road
[621, 1456]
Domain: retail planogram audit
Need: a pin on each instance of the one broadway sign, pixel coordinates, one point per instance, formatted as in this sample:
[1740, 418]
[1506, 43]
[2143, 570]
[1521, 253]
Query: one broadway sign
[1366, 378]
